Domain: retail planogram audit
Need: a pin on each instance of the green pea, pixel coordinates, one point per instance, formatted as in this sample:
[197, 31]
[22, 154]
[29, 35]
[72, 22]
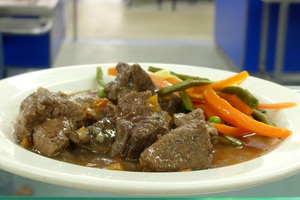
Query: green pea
[101, 93]
[215, 119]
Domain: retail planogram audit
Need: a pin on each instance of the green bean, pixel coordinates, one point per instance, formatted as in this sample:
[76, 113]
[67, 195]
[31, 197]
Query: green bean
[101, 93]
[230, 140]
[242, 94]
[182, 86]
[181, 76]
[186, 100]
[99, 77]
[262, 117]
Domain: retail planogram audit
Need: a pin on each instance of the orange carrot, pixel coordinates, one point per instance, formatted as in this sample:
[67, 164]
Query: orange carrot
[195, 96]
[197, 100]
[230, 130]
[233, 116]
[153, 103]
[112, 71]
[160, 82]
[99, 103]
[237, 103]
[173, 80]
[276, 105]
[219, 85]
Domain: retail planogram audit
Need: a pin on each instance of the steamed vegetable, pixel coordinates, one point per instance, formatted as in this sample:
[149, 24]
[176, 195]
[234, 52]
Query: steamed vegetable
[238, 110]
[233, 116]
[276, 105]
[182, 86]
[242, 94]
[237, 102]
[186, 100]
[227, 139]
[219, 85]
[99, 77]
[181, 76]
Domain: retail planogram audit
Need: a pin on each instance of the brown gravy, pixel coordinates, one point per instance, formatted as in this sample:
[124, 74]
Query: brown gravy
[224, 155]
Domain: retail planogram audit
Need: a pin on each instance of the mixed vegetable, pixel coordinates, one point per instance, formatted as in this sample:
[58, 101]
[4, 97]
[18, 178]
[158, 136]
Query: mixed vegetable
[231, 109]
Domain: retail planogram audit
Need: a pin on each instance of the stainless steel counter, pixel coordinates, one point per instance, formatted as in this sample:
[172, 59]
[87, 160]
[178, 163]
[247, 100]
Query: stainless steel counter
[27, 7]
[36, 16]
[30, 29]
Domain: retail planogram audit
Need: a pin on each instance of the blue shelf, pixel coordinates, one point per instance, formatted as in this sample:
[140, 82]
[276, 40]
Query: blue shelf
[238, 30]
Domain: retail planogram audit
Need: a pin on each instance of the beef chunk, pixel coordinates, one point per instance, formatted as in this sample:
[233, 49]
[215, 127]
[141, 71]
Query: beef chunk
[96, 112]
[192, 118]
[138, 124]
[189, 146]
[171, 103]
[42, 105]
[48, 119]
[108, 111]
[129, 78]
[134, 78]
[50, 138]
[90, 103]
[182, 148]
[97, 137]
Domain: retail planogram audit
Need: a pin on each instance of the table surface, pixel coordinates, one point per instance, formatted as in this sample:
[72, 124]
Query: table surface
[288, 187]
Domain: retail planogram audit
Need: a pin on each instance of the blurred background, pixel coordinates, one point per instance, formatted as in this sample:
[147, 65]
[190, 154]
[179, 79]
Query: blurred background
[260, 36]
[141, 31]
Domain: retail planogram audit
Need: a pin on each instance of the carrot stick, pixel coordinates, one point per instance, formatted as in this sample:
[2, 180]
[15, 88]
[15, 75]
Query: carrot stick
[195, 96]
[237, 103]
[229, 130]
[219, 85]
[233, 116]
[197, 100]
[173, 80]
[112, 71]
[276, 105]
[160, 82]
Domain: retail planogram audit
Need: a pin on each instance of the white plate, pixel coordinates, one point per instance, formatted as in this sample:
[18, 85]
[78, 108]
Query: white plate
[277, 164]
